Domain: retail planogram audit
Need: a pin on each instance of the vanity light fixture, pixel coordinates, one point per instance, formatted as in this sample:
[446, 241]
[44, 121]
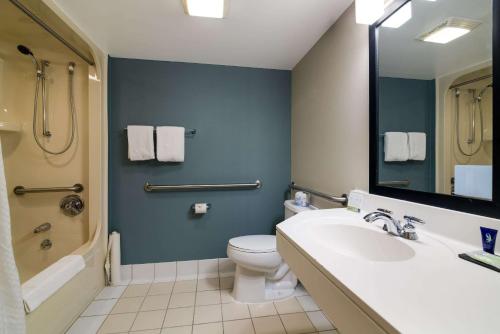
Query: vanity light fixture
[399, 18]
[205, 8]
[369, 11]
[449, 30]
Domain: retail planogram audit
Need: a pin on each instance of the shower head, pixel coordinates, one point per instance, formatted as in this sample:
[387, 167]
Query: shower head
[24, 50]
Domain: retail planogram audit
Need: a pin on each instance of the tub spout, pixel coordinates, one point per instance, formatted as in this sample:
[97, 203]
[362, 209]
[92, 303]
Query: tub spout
[42, 228]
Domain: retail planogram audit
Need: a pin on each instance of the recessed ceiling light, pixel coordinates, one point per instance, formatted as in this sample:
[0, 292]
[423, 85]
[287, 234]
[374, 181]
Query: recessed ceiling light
[399, 18]
[369, 11]
[205, 8]
[450, 30]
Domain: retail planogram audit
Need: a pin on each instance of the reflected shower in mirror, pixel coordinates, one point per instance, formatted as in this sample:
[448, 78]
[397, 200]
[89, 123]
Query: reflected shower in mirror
[435, 98]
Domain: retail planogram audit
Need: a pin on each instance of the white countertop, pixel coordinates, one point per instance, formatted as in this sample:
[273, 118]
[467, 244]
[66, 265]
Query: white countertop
[432, 292]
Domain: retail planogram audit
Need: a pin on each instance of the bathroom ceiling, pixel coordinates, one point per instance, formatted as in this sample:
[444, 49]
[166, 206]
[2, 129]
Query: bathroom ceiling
[256, 33]
[403, 56]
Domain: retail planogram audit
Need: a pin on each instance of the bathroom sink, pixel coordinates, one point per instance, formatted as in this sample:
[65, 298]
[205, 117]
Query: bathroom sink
[361, 243]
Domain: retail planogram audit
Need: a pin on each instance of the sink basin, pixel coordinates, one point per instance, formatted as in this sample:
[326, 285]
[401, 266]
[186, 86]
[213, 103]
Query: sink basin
[361, 243]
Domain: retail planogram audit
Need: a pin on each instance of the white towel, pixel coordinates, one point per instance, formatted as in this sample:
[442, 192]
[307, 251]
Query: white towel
[417, 145]
[11, 303]
[170, 143]
[140, 142]
[396, 146]
[44, 284]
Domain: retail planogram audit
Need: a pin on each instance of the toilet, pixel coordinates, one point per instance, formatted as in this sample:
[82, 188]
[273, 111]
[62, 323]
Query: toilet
[261, 274]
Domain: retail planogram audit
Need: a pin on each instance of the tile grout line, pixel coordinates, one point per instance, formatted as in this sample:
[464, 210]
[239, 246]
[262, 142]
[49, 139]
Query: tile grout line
[168, 303]
[195, 295]
[107, 315]
[140, 306]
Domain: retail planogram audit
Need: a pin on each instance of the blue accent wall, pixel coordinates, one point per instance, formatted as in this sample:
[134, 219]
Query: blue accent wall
[408, 105]
[242, 116]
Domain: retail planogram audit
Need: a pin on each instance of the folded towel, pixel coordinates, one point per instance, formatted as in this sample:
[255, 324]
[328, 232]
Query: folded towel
[170, 143]
[417, 145]
[140, 142]
[48, 281]
[396, 146]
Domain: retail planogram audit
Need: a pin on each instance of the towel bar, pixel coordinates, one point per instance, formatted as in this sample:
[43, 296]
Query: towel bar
[189, 132]
[203, 187]
[399, 183]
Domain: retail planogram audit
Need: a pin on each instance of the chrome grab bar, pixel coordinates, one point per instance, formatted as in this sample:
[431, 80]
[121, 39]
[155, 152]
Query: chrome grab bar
[20, 190]
[337, 199]
[202, 187]
[399, 183]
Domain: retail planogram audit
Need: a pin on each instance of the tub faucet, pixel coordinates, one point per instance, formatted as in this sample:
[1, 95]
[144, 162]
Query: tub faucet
[42, 228]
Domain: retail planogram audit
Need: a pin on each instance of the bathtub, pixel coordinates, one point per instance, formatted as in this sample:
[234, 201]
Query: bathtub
[56, 314]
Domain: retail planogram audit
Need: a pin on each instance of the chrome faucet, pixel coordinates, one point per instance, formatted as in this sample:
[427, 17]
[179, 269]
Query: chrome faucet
[409, 227]
[393, 226]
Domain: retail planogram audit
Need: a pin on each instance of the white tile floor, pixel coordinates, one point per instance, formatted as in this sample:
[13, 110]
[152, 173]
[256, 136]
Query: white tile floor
[202, 306]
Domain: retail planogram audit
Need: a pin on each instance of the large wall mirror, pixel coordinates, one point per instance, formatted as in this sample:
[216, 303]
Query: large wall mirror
[434, 124]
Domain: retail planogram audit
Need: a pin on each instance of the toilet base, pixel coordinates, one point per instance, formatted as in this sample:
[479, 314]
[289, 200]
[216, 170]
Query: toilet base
[253, 287]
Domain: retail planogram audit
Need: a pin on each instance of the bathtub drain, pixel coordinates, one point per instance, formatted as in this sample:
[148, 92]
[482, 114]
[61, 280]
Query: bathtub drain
[46, 244]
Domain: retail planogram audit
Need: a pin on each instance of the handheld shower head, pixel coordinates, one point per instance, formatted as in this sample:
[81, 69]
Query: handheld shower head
[24, 50]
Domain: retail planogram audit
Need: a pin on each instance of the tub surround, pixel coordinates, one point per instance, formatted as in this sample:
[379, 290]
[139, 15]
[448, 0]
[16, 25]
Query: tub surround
[370, 295]
[242, 117]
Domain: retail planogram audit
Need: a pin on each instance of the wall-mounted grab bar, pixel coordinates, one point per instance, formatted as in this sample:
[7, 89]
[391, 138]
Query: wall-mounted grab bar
[20, 190]
[188, 132]
[337, 199]
[202, 187]
[399, 183]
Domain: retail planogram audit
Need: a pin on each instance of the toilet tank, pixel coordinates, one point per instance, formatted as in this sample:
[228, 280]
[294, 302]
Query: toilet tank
[291, 209]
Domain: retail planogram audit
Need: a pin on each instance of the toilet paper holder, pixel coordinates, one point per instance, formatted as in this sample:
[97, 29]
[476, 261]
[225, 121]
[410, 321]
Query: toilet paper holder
[194, 211]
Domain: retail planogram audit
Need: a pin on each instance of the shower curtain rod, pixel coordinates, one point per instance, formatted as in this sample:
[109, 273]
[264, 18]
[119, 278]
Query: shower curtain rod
[51, 31]
[484, 77]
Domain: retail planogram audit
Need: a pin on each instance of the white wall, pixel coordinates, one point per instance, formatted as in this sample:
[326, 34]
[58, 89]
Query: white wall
[330, 110]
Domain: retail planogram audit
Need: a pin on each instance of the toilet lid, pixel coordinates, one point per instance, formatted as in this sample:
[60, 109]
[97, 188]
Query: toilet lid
[255, 243]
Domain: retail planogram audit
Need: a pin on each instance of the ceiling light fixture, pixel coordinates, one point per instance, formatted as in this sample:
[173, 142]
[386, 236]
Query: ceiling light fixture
[205, 8]
[399, 18]
[450, 30]
[369, 11]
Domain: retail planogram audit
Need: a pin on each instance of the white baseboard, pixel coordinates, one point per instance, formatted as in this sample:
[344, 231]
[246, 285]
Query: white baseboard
[180, 270]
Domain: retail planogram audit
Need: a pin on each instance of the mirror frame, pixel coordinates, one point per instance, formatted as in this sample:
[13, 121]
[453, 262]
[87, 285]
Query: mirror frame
[464, 204]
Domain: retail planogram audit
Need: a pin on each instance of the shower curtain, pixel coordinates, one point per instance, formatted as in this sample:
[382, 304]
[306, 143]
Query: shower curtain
[12, 319]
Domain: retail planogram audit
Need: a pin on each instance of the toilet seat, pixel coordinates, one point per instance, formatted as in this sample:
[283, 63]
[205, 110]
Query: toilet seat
[255, 252]
[254, 243]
